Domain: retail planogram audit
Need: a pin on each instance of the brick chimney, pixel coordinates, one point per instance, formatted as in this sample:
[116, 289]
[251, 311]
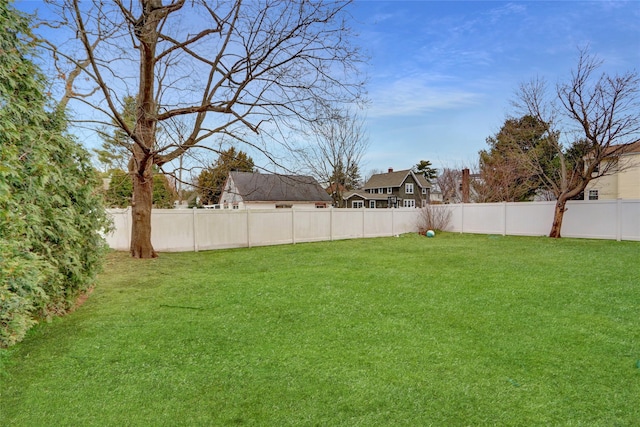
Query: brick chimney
[390, 170]
[465, 185]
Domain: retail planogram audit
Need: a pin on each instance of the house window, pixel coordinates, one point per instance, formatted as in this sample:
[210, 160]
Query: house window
[424, 191]
[381, 190]
[408, 188]
[409, 203]
[283, 206]
[593, 194]
[321, 205]
[357, 204]
[372, 204]
[424, 203]
[389, 190]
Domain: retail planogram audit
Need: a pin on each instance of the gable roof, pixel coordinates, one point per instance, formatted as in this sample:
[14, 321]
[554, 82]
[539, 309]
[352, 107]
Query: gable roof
[395, 179]
[633, 147]
[363, 194]
[258, 187]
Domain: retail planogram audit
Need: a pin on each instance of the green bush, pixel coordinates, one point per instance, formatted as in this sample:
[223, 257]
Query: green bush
[120, 191]
[50, 212]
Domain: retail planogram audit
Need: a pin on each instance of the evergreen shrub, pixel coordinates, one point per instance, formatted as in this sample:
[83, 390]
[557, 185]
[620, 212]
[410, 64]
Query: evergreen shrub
[51, 213]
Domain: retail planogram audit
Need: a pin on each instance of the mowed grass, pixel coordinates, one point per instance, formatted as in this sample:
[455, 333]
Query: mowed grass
[455, 330]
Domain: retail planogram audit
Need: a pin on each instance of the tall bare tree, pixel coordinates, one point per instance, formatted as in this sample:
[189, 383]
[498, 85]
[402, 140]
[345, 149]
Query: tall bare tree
[243, 70]
[598, 116]
[334, 156]
[448, 181]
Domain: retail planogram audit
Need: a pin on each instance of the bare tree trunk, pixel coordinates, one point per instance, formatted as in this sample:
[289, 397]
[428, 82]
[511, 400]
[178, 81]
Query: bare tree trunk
[147, 34]
[558, 215]
[141, 215]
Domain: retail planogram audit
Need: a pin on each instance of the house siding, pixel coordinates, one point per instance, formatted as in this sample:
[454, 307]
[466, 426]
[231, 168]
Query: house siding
[620, 185]
[372, 190]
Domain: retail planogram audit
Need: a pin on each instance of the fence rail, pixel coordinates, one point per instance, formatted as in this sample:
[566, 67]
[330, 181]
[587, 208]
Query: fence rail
[598, 219]
[176, 230]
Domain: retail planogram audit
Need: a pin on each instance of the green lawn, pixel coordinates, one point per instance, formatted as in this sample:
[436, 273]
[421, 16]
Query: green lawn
[455, 330]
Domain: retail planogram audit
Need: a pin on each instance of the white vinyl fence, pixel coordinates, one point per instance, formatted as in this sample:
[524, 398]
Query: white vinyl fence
[175, 230]
[598, 219]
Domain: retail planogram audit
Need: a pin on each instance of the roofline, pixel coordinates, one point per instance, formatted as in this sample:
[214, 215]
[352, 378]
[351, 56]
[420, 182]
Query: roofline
[409, 172]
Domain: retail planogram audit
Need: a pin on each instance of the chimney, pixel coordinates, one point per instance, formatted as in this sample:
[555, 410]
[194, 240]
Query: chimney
[465, 185]
[390, 170]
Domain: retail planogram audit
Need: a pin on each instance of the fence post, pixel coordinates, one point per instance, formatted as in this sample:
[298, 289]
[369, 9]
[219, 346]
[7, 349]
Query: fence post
[331, 224]
[128, 226]
[293, 225]
[364, 213]
[504, 218]
[248, 228]
[619, 219]
[393, 223]
[195, 229]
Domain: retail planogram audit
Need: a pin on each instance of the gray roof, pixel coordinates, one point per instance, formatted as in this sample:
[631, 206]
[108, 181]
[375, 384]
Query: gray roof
[258, 187]
[395, 179]
[363, 194]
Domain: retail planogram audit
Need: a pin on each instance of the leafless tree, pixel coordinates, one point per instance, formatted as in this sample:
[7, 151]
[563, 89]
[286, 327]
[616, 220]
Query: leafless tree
[334, 157]
[448, 181]
[434, 217]
[243, 70]
[599, 116]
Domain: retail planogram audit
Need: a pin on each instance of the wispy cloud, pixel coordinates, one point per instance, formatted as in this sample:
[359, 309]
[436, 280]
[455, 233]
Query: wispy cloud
[415, 95]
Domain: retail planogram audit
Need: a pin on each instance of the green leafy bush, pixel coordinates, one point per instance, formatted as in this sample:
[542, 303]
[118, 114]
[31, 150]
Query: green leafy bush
[50, 213]
[120, 190]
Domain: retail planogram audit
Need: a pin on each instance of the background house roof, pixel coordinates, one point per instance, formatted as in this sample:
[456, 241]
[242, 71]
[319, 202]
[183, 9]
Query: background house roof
[394, 179]
[258, 187]
[363, 194]
[633, 147]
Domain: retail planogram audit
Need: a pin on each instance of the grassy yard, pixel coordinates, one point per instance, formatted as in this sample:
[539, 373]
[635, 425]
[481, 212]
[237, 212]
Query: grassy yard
[455, 330]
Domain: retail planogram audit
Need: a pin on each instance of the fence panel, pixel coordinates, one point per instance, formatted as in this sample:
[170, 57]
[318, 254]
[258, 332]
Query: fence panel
[629, 228]
[192, 230]
[378, 222]
[119, 237]
[590, 219]
[528, 219]
[269, 227]
[485, 218]
[348, 223]
[221, 230]
[173, 230]
[312, 225]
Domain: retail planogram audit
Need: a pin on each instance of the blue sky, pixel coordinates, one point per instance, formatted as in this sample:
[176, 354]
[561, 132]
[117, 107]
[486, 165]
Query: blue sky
[442, 74]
